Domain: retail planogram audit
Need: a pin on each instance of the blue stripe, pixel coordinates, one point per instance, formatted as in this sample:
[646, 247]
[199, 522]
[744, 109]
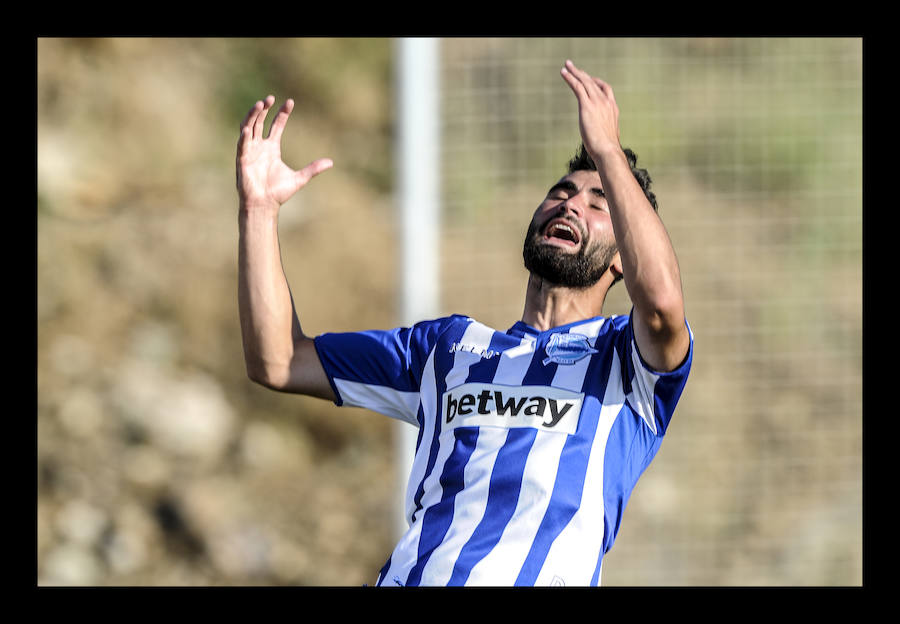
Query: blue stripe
[438, 517]
[485, 369]
[503, 496]
[538, 373]
[667, 392]
[564, 502]
[443, 362]
[628, 442]
[393, 358]
[595, 579]
[506, 478]
[568, 488]
[383, 571]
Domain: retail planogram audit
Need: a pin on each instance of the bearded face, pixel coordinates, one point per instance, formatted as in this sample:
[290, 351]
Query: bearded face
[560, 251]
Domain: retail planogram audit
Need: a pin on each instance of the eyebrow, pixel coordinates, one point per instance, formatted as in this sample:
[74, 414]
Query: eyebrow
[568, 185]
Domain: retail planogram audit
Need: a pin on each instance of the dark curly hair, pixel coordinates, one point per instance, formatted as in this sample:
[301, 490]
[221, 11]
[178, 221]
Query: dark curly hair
[582, 161]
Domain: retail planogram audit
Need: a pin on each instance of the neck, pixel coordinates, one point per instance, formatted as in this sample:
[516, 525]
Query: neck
[549, 305]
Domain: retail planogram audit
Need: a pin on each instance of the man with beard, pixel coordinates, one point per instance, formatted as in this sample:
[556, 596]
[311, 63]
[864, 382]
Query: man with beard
[530, 439]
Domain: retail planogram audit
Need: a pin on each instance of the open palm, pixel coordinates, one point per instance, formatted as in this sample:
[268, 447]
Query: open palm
[262, 176]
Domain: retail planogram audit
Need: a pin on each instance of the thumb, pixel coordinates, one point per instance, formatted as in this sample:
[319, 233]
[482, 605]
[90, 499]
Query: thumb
[313, 169]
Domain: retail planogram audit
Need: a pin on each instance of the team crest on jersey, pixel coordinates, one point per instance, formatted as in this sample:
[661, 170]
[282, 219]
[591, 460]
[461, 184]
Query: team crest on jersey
[567, 348]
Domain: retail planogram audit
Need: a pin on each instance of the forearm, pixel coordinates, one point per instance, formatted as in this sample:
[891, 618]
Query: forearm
[269, 324]
[648, 262]
[649, 265]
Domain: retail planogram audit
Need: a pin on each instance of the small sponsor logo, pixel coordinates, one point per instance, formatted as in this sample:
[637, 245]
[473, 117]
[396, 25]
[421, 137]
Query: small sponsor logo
[542, 407]
[479, 351]
[567, 348]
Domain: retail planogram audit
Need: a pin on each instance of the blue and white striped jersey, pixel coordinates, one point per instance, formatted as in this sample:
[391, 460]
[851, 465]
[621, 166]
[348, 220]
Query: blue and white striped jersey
[529, 442]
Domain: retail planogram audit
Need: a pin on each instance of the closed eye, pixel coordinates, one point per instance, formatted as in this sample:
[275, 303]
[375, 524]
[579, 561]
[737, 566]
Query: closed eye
[598, 192]
[566, 188]
[562, 190]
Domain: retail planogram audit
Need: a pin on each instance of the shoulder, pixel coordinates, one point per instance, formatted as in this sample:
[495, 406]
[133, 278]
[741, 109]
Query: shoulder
[620, 322]
[678, 358]
[621, 331]
[441, 325]
[425, 335]
[616, 328]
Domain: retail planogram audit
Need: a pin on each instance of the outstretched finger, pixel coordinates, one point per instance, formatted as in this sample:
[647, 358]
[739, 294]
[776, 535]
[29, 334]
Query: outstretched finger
[243, 140]
[313, 169]
[251, 114]
[591, 85]
[573, 81]
[582, 76]
[281, 119]
[261, 117]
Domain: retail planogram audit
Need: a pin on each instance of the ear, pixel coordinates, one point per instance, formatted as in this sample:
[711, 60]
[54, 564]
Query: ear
[615, 266]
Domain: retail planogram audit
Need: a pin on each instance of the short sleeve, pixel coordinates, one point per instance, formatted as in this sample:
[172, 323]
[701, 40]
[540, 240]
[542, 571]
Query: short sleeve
[652, 394]
[380, 370]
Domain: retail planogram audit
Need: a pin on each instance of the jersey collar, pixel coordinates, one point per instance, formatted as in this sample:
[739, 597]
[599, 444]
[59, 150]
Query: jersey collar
[521, 329]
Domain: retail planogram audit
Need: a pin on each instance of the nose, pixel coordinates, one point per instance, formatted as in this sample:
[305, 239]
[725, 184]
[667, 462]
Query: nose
[573, 204]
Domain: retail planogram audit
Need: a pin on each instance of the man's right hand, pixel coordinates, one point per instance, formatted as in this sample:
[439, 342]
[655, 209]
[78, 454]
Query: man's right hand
[263, 180]
[277, 353]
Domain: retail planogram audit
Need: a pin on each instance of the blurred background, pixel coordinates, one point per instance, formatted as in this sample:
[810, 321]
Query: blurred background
[159, 463]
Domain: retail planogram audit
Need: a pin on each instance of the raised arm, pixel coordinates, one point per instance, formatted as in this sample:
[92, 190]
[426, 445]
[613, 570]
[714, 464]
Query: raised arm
[277, 353]
[649, 266]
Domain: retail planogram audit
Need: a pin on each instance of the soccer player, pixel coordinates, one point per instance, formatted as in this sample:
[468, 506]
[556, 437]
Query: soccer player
[530, 439]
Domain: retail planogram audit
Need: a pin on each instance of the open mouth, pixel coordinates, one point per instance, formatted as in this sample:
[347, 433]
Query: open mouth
[559, 230]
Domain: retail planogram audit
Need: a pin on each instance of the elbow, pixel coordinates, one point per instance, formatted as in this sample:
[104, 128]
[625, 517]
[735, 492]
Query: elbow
[284, 372]
[258, 376]
[265, 376]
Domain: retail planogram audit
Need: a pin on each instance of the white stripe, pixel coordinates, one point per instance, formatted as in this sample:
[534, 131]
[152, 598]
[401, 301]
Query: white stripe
[468, 511]
[430, 407]
[407, 549]
[478, 337]
[383, 399]
[420, 459]
[511, 370]
[591, 329]
[514, 363]
[574, 554]
[469, 505]
[525, 349]
[642, 388]
[404, 557]
[501, 566]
